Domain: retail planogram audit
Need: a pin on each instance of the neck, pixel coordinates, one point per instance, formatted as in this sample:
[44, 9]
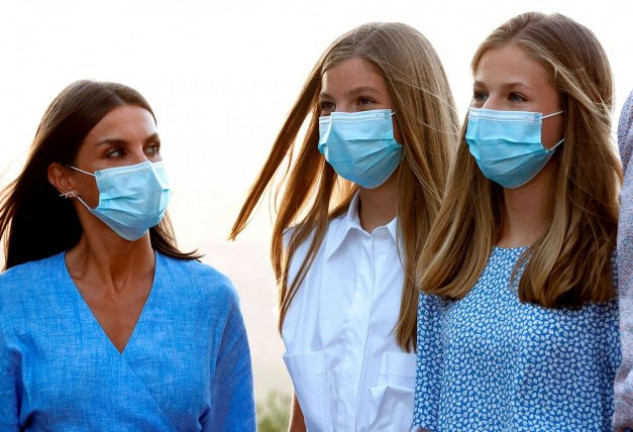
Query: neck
[379, 206]
[104, 259]
[527, 210]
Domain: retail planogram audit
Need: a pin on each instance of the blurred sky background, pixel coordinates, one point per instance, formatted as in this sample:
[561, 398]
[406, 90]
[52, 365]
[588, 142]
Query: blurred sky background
[221, 77]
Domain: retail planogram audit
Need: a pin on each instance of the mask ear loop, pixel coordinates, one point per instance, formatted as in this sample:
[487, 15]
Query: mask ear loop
[80, 170]
[396, 120]
[552, 114]
[556, 145]
[562, 139]
[73, 194]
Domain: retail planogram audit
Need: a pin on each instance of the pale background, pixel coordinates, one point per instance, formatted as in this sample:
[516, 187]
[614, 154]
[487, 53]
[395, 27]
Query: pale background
[221, 77]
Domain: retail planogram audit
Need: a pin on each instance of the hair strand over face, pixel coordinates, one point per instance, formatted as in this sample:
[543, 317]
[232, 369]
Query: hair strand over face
[309, 197]
[584, 209]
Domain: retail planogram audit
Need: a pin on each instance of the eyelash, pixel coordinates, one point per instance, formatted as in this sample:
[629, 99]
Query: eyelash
[514, 97]
[479, 96]
[155, 147]
[118, 152]
[326, 106]
[110, 154]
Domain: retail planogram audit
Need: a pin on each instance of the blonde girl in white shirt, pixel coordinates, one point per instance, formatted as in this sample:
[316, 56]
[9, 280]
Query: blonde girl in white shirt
[354, 210]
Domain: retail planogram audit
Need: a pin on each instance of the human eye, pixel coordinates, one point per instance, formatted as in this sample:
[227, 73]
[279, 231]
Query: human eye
[114, 153]
[516, 97]
[479, 96]
[364, 101]
[326, 107]
[153, 149]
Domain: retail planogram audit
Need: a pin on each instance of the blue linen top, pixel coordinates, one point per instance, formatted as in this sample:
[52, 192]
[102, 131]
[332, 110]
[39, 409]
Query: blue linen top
[186, 365]
[491, 363]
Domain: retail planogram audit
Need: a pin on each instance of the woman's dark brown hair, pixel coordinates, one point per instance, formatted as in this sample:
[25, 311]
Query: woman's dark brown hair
[35, 222]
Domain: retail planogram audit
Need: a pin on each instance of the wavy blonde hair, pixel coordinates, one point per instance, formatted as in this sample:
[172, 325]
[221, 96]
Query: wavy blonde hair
[308, 198]
[572, 262]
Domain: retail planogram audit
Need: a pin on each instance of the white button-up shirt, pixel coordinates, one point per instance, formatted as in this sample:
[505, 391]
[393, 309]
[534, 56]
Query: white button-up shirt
[348, 372]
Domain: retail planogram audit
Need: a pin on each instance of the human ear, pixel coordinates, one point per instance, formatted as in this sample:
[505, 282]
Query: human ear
[60, 177]
[397, 134]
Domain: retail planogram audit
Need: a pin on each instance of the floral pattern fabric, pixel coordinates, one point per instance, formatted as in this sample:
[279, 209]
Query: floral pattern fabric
[624, 380]
[489, 362]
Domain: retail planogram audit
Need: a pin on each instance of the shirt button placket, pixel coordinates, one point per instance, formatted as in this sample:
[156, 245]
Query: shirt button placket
[359, 316]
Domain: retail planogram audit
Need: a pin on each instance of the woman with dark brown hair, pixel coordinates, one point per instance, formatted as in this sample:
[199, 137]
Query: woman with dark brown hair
[104, 324]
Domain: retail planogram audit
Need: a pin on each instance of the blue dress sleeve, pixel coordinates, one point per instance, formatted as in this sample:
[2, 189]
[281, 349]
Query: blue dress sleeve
[232, 387]
[623, 386]
[428, 371]
[9, 386]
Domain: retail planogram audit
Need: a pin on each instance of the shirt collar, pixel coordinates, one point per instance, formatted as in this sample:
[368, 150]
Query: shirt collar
[337, 233]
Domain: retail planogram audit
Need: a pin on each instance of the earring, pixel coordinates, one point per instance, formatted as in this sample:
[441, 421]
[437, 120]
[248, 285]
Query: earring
[71, 194]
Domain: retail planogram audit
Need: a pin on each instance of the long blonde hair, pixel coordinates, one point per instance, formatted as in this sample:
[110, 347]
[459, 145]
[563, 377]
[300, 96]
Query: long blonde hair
[307, 197]
[571, 263]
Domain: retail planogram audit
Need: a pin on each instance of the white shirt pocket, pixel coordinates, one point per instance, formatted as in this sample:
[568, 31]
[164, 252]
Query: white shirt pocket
[309, 378]
[391, 404]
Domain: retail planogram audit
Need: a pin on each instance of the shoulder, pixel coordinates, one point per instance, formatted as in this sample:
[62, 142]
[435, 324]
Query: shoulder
[332, 227]
[626, 117]
[333, 230]
[21, 279]
[197, 277]
[625, 132]
[28, 290]
[32, 269]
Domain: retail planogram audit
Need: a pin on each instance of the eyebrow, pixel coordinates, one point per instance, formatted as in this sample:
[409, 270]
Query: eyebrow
[509, 85]
[119, 141]
[354, 91]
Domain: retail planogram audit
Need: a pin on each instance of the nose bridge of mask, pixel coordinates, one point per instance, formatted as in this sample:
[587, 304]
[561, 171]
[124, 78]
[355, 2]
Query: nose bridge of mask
[519, 127]
[134, 182]
[126, 180]
[130, 182]
[354, 127]
[360, 146]
[360, 115]
[132, 198]
[507, 144]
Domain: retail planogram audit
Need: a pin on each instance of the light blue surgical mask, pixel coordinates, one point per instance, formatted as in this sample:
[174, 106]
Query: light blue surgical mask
[132, 198]
[507, 144]
[360, 146]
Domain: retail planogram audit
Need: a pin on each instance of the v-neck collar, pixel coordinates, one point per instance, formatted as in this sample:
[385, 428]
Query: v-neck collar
[88, 316]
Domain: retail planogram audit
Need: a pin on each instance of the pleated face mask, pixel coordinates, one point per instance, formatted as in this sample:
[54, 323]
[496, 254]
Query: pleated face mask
[507, 144]
[132, 198]
[360, 146]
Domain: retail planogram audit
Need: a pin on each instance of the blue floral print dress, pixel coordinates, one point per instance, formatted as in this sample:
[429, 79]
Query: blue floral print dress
[491, 363]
